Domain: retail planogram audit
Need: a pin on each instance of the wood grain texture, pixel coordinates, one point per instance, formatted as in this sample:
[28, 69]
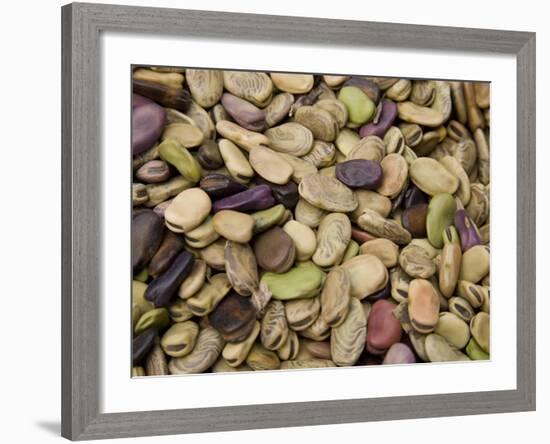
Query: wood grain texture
[81, 229]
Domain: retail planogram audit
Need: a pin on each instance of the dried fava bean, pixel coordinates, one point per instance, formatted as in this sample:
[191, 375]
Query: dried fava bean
[308, 214]
[336, 108]
[220, 185]
[399, 353]
[170, 97]
[335, 297]
[384, 329]
[256, 87]
[207, 348]
[400, 90]
[275, 250]
[260, 358]
[423, 305]
[479, 326]
[462, 308]
[388, 113]
[453, 329]
[257, 198]
[209, 155]
[234, 317]
[360, 107]
[298, 282]
[162, 289]
[441, 212]
[318, 349]
[203, 235]
[153, 171]
[240, 136]
[290, 138]
[373, 201]
[399, 284]
[274, 328]
[369, 148]
[360, 173]
[177, 155]
[384, 249]
[265, 219]
[303, 237]
[147, 234]
[180, 311]
[148, 120]
[188, 210]
[475, 264]
[270, 165]
[401, 312]
[161, 192]
[327, 193]
[474, 294]
[179, 340]
[469, 234]
[234, 226]
[241, 267]
[302, 313]
[333, 236]
[186, 134]
[209, 296]
[478, 207]
[278, 109]
[369, 87]
[244, 113]
[235, 353]
[158, 318]
[432, 177]
[142, 344]
[321, 123]
[367, 275]
[394, 175]
[213, 254]
[293, 83]
[375, 224]
[475, 352]
[348, 339]
[155, 362]
[454, 167]
[321, 155]
[438, 349]
[206, 85]
[413, 219]
[235, 161]
[139, 194]
[451, 257]
[290, 349]
[170, 247]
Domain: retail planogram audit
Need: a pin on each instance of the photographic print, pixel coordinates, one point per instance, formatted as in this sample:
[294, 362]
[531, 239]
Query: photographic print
[287, 221]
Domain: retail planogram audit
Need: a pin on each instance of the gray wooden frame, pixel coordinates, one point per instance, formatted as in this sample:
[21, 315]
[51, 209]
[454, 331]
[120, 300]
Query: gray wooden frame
[81, 26]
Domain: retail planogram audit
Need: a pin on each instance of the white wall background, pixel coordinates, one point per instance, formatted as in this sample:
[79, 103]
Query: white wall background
[30, 220]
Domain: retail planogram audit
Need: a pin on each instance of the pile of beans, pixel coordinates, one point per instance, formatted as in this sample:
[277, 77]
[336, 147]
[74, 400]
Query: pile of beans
[288, 221]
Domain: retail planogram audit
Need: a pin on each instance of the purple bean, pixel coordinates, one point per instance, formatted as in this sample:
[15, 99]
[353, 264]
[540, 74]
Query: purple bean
[467, 230]
[162, 289]
[253, 199]
[385, 121]
[245, 113]
[414, 196]
[399, 353]
[148, 120]
[360, 173]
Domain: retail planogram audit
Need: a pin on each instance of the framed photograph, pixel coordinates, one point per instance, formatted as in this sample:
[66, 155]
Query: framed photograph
[278, 221]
